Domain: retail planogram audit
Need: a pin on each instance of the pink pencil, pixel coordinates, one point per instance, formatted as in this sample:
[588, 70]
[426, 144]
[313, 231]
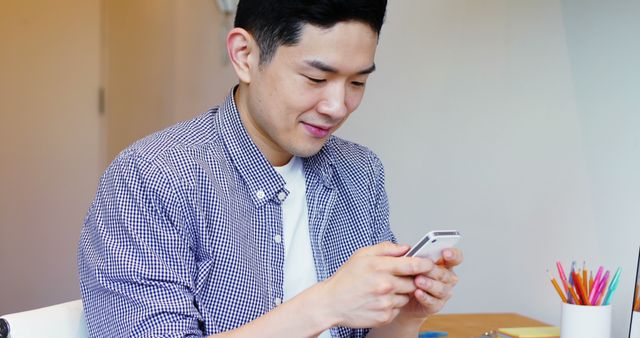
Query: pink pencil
[596, 282]
[563, 277]
[599, 288]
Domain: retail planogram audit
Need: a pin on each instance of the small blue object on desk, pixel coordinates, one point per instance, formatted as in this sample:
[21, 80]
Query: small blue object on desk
[432, 334]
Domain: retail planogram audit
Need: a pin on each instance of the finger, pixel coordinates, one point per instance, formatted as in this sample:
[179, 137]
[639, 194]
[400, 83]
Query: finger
[452, 257]
[428, 301]
[394, 285]
[443, 274]
[394, 301]
[434, 288]
[404, 266]
[386, 249]
[404, 285]
[400, 301]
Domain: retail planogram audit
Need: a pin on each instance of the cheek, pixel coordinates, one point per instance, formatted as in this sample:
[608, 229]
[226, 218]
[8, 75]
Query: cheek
[302, 100]
[353, 99]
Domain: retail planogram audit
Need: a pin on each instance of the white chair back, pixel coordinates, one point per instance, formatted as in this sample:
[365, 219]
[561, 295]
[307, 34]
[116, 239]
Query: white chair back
[61, 320]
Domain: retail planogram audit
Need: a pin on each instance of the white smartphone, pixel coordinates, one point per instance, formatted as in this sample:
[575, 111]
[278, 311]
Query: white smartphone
[432, 244]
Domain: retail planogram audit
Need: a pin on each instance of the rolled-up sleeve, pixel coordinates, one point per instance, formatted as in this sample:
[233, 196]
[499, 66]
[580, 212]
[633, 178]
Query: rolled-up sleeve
[135, 260]
[381, 226]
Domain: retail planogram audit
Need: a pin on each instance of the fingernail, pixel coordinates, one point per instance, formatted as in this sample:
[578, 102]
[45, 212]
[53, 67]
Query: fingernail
[447, 254]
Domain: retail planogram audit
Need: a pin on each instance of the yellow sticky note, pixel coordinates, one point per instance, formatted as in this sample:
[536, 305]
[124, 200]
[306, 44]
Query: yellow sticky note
[531, 332]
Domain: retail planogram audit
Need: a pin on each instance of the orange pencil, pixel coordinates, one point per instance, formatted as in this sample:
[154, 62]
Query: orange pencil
[557, 287]
[577, 282]
[574, 295]
[636, 307]
[590, 281]
[585, 280]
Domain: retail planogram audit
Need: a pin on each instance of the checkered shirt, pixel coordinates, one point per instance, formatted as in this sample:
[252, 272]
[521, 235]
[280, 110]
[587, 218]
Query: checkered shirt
[179, 240]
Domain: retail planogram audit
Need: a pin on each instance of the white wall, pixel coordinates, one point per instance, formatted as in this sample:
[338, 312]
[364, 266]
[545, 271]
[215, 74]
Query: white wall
[605, 59]
[515, 122]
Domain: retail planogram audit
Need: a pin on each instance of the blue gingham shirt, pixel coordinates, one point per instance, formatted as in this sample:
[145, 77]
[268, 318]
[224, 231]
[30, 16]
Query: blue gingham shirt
[179, 240]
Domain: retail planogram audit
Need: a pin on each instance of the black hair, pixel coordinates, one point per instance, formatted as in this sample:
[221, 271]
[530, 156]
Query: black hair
[274, 23]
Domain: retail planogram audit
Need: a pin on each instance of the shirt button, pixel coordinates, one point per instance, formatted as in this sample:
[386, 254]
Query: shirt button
[260, 194]
[277, 301]
[277, 238]
[282, 195]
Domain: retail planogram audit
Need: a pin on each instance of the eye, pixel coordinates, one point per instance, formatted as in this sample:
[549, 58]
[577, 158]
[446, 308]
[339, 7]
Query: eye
[314, 80]
[358, 83]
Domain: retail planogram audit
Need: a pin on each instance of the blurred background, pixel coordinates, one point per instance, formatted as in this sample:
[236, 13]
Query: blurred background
[516, 122]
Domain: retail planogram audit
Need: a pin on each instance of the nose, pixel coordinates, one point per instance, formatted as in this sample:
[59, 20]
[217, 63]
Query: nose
[333, 102]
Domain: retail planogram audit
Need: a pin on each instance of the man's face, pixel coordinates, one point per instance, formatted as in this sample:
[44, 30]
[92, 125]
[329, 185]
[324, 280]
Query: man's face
[296, 101]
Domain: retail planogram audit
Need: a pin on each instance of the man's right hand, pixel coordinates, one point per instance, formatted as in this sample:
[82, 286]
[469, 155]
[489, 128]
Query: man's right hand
[372, 286]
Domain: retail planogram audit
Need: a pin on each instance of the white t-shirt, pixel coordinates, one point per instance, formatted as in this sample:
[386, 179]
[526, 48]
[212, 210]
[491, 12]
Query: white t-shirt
[299, 266]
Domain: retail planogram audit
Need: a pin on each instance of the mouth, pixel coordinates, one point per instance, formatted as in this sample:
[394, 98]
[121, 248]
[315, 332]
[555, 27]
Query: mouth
[316, 130]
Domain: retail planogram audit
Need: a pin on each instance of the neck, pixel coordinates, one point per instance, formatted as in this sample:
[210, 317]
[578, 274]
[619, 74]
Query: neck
[271, 151]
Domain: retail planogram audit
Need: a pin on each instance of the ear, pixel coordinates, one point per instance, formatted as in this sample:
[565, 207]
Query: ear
[243, 53]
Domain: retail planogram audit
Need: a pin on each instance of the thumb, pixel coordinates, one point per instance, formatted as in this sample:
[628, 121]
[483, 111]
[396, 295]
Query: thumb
[388, 249]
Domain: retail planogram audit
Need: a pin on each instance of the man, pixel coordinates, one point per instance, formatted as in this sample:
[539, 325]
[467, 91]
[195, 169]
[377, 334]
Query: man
[252, 219]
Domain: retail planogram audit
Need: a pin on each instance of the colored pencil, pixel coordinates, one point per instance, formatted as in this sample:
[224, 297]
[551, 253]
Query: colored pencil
[563, 277]
[577, 282]
[557, 287]
[598, 289]
[597, 279]
[602, 292]
[574, 295]
[587, 287]
[585, 280]
[612, 287]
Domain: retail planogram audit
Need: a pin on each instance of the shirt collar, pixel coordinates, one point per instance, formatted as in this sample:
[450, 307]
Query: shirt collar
[321, 164]
[262, 179]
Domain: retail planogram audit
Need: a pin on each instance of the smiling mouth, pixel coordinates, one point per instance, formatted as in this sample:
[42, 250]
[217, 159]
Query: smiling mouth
[316, 131]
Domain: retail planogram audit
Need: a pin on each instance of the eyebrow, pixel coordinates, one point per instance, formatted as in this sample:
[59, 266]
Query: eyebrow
[326, 68]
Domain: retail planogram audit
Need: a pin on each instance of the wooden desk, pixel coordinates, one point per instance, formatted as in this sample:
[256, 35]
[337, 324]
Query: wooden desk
[467, 325]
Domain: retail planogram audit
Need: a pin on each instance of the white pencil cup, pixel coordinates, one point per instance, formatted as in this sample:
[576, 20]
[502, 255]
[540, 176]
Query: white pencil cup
[581, 321]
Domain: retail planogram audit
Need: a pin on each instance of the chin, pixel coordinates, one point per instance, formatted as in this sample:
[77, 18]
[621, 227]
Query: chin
[308, 150]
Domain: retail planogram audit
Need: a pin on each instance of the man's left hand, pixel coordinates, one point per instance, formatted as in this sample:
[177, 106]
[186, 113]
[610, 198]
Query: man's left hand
[433, 288]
